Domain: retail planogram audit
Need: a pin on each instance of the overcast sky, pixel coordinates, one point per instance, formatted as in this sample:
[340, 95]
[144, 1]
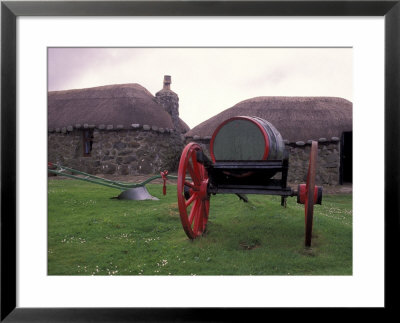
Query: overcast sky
[207, 80]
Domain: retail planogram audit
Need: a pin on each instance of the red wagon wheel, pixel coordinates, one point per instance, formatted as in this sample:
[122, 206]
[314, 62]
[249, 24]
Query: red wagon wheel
[310, 193]
[193, 199]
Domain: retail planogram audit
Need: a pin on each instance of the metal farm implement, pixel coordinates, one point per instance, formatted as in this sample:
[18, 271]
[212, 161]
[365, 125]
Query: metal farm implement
[130, 191]
[248, 156]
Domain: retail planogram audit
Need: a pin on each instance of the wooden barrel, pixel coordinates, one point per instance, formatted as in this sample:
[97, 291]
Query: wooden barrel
[246, 138]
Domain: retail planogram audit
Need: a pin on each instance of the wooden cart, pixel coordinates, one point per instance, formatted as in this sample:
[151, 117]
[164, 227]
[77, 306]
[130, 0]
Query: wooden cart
[248, 156]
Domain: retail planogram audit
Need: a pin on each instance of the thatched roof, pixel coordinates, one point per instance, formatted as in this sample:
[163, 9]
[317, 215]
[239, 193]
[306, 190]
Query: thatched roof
[296, 118]
[121, 104]
[184, 127]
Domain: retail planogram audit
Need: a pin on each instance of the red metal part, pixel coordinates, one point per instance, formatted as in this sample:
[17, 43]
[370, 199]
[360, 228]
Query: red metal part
[310, 192]
[265, 135]
[302, 194]
[164, 177]
[194, 210]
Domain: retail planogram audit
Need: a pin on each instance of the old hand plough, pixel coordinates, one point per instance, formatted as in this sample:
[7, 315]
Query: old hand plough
[130, 191]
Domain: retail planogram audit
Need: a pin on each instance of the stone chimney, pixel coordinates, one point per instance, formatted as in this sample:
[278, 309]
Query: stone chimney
[167, 83]
[170, 101]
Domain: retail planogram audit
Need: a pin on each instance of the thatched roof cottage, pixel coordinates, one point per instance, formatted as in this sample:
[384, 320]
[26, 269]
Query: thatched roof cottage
[115, 129]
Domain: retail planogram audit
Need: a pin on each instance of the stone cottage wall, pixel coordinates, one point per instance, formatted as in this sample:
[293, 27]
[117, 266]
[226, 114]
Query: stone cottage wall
[140, 150]
[328, 160]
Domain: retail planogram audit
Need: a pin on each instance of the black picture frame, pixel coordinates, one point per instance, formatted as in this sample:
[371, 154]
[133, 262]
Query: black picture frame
[10, 10]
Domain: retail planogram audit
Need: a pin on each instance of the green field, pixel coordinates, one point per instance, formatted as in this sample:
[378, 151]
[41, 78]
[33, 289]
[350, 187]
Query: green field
[89, 233]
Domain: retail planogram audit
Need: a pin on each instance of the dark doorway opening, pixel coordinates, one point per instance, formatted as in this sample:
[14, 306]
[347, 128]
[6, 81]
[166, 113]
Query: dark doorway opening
[87, 142]
[346, 158]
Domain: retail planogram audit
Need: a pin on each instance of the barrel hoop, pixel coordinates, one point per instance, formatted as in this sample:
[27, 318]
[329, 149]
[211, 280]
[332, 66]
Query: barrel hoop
[276, 145]
[263, 131]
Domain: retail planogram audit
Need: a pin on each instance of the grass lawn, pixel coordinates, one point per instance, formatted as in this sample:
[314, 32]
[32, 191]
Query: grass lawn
[91, 234]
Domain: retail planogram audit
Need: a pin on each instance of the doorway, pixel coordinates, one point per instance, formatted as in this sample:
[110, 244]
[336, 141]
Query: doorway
[346, 158]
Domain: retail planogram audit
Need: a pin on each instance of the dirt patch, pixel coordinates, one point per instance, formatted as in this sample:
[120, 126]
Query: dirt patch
[249, 245]
[338, 189]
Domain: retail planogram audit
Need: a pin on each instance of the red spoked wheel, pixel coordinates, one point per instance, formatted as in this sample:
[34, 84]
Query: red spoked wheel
[193, 198]
[310, 192]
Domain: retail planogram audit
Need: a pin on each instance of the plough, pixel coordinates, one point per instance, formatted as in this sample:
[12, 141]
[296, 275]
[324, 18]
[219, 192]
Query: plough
[130, 191]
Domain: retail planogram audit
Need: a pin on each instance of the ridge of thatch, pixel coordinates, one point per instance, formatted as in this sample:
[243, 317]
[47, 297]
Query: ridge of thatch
[184, 127]
[296, 118]
[119, 104]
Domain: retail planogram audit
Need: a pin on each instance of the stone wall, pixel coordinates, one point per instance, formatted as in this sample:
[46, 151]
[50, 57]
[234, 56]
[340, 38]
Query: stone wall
[140, 150]
[328, 160]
